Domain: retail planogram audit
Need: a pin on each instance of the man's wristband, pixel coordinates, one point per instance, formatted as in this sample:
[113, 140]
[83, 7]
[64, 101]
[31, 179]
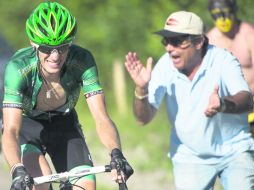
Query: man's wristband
[140, 97]
[222, 106]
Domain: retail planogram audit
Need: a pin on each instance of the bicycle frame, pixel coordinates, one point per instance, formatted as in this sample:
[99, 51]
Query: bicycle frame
[63, 176]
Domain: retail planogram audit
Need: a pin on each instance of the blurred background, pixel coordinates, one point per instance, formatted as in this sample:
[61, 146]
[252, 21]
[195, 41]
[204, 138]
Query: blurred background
[109, 29]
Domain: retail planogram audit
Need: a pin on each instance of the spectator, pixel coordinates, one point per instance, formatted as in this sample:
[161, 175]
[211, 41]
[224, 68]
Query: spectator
[206, 106]
[236, 36]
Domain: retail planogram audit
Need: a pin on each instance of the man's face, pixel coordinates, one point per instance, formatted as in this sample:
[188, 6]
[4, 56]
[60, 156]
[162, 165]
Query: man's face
[183, 53]
[52, 58]
[223, 16]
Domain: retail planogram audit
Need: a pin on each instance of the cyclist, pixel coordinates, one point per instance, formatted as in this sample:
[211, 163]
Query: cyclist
[232, 33]
[5, 53]
[207, 106]
[42, 86]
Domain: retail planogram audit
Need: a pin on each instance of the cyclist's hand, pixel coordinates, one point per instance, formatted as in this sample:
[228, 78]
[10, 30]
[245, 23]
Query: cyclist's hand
[120, 165]
[21, 180]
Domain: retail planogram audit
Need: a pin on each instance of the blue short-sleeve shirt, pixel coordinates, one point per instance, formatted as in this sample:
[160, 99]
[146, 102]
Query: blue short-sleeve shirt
[195, 137]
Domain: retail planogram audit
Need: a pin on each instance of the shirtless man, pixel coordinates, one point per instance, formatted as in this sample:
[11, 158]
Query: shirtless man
[236, 36]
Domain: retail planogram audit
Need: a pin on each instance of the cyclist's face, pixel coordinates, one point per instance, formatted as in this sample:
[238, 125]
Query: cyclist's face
[52, 58]
[223, 16]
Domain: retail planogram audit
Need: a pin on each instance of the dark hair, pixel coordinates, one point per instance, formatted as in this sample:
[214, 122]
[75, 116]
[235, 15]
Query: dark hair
[205, 45]
[229, 3]
[195, 39]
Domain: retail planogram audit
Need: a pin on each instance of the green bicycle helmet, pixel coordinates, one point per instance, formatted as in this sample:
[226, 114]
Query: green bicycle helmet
[51, 24]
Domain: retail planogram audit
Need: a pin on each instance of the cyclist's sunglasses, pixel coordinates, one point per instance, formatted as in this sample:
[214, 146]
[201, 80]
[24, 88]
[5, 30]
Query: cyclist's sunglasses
[175, 41]
[49, 49]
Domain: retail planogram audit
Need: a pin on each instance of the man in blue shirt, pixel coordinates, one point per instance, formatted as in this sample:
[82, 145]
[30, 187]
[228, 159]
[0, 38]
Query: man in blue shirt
[207, 101]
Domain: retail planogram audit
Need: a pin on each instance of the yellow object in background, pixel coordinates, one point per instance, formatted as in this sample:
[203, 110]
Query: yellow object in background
[251, 117]
[223, 24]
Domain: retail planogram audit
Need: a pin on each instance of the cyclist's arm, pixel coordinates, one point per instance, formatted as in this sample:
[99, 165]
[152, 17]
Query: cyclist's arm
[105, 127]
[143, 110]
[12, 118]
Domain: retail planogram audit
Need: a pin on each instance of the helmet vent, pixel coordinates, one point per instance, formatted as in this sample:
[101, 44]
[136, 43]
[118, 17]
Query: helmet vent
[45, 11]
[73, 32]
[64, 27]
[43, 30]
[56, 9]
[60, 19]
[31, 33]
[52, 22]
[44, 21]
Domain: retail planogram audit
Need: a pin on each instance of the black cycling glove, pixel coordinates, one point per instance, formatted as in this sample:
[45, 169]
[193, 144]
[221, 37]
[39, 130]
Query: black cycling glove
[21, 180]
[119, 163]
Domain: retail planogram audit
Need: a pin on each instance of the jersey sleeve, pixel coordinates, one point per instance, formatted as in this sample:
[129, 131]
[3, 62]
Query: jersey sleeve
[89, 73]
[13, 86]
[90, 80]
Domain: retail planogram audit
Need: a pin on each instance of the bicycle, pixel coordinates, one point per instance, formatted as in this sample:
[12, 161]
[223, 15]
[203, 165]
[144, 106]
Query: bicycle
[62, 178]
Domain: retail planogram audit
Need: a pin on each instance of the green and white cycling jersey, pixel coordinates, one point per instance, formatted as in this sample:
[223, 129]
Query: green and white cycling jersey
[22, 81]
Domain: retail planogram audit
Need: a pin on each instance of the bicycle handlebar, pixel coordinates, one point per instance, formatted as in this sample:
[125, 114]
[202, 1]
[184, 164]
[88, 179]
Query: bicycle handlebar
[66, 175]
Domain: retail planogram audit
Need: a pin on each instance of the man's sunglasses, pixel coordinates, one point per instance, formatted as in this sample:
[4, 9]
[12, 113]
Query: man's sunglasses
[49, 49]
[175, 41]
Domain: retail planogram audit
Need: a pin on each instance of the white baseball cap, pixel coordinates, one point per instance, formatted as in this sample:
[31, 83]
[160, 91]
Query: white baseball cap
[182, 23]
